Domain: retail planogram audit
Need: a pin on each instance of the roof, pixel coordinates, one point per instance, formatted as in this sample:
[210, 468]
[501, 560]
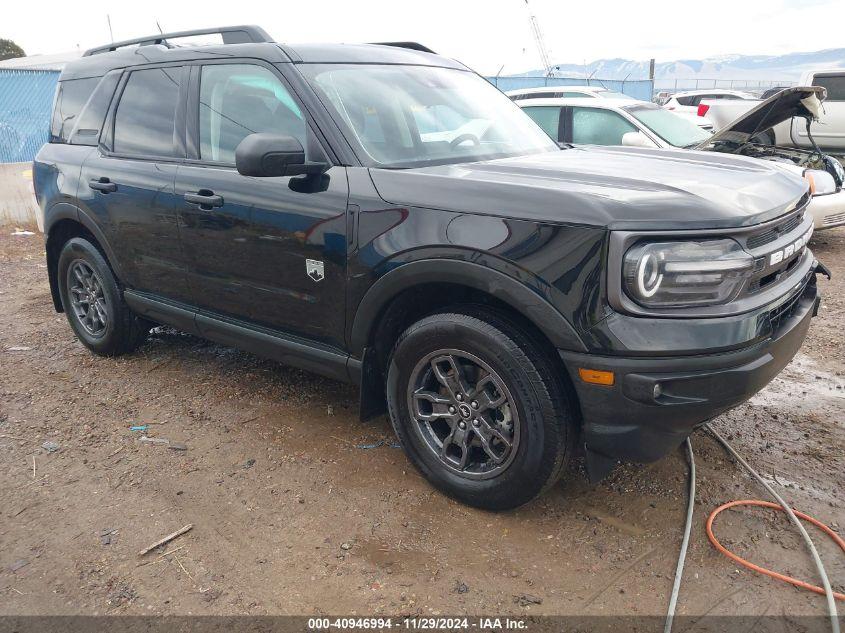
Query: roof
[577, 87]
[711, 91]
[605, 104]
[153, 49]
[56, 61]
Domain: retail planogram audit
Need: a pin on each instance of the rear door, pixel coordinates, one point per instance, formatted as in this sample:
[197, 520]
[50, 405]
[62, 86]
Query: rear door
[127, 184]
[271, 251]
[829, 130]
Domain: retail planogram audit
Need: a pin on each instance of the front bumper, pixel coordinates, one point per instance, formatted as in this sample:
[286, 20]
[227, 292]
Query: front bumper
[827, 211]
[633, 421]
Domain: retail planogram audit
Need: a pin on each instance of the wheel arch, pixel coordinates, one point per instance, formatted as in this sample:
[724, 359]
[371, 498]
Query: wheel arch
[65, 221]
[517, 295]
[399, 298]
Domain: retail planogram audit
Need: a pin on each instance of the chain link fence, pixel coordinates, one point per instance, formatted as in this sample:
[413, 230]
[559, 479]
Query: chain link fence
[26, 99]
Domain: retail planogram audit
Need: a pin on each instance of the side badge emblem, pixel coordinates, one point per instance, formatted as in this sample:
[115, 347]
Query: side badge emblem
[314, 269]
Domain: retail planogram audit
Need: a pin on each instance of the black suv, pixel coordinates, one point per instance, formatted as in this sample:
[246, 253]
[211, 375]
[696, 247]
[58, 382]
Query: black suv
[383, 215]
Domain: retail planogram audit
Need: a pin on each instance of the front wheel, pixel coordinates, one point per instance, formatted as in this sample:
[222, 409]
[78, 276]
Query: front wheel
[478, 408]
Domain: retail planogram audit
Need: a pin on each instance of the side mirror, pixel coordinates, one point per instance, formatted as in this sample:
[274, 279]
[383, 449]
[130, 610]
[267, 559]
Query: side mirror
[637, 139]
[266, 155]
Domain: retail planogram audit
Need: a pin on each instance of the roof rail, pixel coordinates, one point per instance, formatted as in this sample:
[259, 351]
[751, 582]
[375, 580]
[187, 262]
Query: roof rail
[414, 46]
[244, 34]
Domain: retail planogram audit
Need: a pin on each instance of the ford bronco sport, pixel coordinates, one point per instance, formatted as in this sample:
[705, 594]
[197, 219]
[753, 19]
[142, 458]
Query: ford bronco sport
[383, 215]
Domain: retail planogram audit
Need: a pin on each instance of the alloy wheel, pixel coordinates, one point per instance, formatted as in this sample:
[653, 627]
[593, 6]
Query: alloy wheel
[464, 412]
[87, 298]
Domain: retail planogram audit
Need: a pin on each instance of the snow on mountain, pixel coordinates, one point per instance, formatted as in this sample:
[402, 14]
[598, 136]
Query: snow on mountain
[785, 68]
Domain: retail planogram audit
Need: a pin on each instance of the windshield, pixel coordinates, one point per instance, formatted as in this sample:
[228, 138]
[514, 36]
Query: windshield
[672, 128]
[410, 116]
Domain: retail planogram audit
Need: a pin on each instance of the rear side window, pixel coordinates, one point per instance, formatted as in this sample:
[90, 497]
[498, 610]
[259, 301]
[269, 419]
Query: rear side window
[547, 118]
[145, 118]
[71, 96]
[835, 85]
[90, 122]
[591, 126]
[686, 101]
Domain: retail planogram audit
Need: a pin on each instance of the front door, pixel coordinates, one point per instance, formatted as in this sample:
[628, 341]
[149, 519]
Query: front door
[271, 251]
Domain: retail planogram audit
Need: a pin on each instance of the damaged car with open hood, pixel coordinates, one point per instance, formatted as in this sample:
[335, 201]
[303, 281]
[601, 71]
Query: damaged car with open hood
[755, 129]
[758, 133]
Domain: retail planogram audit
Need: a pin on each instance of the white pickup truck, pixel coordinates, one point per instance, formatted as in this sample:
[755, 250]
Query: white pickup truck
[828, 131]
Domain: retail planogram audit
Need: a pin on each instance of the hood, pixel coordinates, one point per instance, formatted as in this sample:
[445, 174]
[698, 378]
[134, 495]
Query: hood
[803, 101]
[612, 187]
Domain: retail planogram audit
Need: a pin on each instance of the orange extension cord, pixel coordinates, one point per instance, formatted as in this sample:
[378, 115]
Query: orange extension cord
[768, 572]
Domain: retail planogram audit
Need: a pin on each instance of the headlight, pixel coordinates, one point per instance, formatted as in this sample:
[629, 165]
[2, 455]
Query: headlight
[683, 274]
[821, 182]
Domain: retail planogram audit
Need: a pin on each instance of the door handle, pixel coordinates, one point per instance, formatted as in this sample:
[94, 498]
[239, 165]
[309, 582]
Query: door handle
[204, 198]
[102, 184]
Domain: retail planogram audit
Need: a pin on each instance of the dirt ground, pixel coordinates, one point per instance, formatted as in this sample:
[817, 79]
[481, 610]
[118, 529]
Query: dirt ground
[292, 516]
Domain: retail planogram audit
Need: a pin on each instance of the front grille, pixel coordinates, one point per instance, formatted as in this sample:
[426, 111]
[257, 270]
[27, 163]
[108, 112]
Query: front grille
[762, 282]
[836, 218]
[782, 313]
[756, 241]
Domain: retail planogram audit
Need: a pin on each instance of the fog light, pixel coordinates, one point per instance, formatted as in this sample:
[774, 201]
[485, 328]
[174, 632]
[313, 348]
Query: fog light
[658, 390]
[596, 376]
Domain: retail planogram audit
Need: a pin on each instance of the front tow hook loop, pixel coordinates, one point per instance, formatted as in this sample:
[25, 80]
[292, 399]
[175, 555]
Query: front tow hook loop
[822, 270]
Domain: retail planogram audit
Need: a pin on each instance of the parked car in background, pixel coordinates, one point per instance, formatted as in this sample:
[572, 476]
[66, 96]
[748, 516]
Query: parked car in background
[764, 132]
[644, 124]
[632, 123]
[566, 92]
[687, 101]
[828, 131]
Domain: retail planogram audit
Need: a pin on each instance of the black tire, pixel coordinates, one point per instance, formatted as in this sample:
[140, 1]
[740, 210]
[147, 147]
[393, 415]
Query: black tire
[544, 416]
[116, 330]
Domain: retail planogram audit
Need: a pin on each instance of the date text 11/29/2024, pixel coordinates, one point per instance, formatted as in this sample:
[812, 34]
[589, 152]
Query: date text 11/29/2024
[418, 624]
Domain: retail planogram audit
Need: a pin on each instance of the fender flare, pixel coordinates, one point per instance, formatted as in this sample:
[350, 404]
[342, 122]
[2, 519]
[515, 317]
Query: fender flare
[493, 282]
[67, 211]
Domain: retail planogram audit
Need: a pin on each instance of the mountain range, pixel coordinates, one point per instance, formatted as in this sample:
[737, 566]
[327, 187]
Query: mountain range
[786, 68]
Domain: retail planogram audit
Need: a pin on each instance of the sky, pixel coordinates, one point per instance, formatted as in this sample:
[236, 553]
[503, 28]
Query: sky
[486, 35]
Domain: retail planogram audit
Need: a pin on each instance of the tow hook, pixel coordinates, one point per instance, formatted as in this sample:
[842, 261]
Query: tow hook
[821, 269]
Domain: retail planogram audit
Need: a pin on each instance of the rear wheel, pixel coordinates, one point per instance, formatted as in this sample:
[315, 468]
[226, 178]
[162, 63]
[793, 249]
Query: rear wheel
[94, 304]
[479, 409]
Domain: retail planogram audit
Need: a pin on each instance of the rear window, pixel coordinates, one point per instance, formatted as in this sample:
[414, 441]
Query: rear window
[86, 131]
[144, 121]
[71, 96]
[835, 85]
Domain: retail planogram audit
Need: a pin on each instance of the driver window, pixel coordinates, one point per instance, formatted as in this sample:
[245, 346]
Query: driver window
[591, 126]
[241, 99]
